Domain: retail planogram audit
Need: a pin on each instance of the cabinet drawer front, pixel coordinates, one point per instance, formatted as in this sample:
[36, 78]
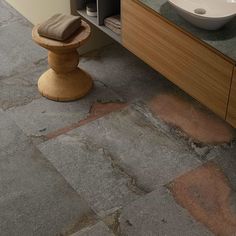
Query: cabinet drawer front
[180, 58]
[231, 116]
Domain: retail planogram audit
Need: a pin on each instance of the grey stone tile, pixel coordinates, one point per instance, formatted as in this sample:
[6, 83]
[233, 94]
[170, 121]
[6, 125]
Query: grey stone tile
[21, 88]
[18, 55]
[100, 229]
[8, 14]
[227, 163]
[42, 116]
[11, 136]
[90, 171]
[226, 160]
[150, 156]
[125, 73]
[158, 214]
[34, 198]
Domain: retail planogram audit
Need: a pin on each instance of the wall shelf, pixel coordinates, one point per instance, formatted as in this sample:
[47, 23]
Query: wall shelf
[105, 9]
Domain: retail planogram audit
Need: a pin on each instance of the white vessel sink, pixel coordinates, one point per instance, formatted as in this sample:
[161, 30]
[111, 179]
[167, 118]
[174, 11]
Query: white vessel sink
[206, 14]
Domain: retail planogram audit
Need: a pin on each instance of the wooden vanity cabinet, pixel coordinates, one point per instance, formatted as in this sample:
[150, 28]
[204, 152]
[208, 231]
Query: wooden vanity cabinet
[184, 60]
[231, 115]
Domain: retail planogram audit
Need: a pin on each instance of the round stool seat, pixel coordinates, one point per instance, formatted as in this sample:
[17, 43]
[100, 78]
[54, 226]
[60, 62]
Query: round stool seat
[64, 81]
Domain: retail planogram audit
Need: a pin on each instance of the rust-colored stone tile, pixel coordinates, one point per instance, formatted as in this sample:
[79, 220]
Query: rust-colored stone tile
[100, 109]
[206, 193]
[200, 125]
[97, 110]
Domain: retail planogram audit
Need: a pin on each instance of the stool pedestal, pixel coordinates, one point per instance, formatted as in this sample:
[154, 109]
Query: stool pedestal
[64, 81]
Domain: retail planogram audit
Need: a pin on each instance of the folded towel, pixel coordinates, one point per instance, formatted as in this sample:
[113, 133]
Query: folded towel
[113, 20]
[59, 27]
[112, 28]
[113, 23]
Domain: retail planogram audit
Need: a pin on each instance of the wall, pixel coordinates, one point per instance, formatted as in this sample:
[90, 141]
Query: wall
[37, 11]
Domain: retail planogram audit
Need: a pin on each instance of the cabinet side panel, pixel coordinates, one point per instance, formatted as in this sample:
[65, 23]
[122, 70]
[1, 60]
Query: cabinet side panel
[231, 115]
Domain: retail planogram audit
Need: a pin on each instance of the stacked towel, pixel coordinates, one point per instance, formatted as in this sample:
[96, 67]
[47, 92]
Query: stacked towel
[113, 23]
[60, 27]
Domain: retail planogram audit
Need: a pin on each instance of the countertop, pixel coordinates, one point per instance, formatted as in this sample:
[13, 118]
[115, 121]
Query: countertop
[223, 40]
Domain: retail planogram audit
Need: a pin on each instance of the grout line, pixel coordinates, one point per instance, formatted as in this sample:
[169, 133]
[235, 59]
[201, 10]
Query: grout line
[91, 117]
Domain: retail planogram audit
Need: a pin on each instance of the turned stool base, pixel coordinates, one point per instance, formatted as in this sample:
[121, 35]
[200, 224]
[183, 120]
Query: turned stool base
[65, 87]
[65, 81]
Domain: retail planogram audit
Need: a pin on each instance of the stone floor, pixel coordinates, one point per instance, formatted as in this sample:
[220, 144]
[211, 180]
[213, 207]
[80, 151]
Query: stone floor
[135, 157]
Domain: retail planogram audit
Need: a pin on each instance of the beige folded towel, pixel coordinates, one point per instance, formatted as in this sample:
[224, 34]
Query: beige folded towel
[113, 23]
[59, 27]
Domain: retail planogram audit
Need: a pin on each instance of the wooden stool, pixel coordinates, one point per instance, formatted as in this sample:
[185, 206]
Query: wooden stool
[64, 81]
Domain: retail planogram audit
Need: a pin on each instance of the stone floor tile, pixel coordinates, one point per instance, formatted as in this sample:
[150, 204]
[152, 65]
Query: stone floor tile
[43, 116]
[34, 198]
[100, 109]
[12, 138]
[125, 73]
[18, 55]
[97, 110]
[90, 171]
[22, 88]
[158, 214]
[8, 14]
[113, 161]
[200, 125]
[100, 229]
[208, 193]
[227, 162]
[151, 157]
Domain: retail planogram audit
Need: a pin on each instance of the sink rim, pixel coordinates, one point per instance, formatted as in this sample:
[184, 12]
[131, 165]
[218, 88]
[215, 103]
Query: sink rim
[191, 6]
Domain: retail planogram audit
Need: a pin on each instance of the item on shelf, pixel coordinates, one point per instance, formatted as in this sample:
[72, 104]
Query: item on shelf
[91, 9]
[113, 23]
[60, 27]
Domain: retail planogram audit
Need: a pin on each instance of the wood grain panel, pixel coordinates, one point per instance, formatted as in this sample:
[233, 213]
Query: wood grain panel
[194, 68]
[231, 116]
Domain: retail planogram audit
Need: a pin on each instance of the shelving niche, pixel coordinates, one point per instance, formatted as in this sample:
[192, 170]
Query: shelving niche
[105, 8]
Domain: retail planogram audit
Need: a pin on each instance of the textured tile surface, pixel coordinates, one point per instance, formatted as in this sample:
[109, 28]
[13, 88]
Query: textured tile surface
[158, 214]
[226, 160]
[18, 55]
[89, 169]
[208, 195]
[8, 14]
[97, 110]
[21, 89]
[100, 229]
[108, 165]
[197, 123]
[128, 76]
[132, 142]
[34, 198]
[42, 116]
